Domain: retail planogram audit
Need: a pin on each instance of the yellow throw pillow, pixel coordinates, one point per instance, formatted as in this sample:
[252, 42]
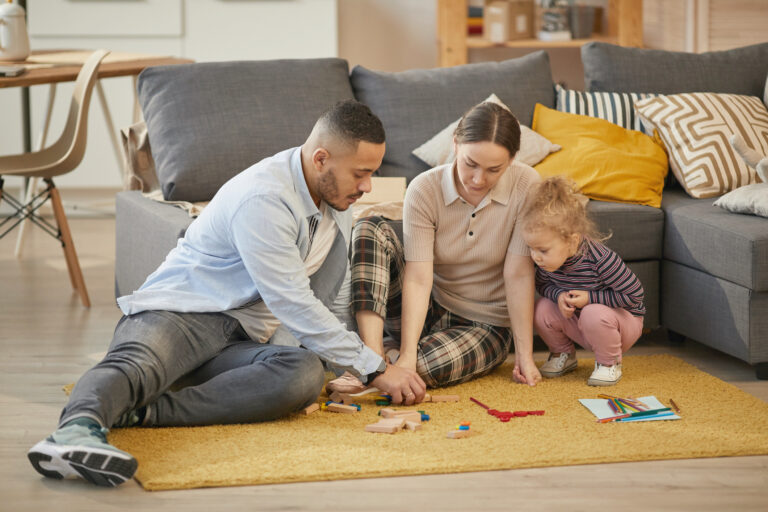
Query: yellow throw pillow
[607, 162]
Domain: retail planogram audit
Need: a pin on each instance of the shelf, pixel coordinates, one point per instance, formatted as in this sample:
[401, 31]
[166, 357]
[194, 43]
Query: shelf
[479, 42]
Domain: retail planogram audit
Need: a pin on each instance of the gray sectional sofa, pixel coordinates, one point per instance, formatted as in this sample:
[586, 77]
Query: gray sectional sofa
[705, 271]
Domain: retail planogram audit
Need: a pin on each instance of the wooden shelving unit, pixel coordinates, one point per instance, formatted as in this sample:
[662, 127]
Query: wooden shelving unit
[625, 27]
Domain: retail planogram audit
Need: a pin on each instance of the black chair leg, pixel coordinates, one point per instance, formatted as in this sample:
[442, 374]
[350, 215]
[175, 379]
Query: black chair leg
[761, 371]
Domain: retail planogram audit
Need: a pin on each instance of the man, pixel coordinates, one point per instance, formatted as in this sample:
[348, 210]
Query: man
[273, 241]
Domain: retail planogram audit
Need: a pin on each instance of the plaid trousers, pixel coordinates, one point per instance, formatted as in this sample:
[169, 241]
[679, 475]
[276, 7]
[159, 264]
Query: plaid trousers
[452, 349]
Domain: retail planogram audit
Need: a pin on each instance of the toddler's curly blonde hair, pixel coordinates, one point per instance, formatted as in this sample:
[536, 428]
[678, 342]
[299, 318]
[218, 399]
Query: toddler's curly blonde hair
[556, 204]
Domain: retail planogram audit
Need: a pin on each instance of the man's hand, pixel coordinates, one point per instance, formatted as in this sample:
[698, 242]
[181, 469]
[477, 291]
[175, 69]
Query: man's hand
[577, 299]
[403, 385]
[526, 372]
[565, 308]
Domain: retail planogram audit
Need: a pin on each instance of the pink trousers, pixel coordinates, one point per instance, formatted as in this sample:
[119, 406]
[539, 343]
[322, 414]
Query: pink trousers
[606, 331]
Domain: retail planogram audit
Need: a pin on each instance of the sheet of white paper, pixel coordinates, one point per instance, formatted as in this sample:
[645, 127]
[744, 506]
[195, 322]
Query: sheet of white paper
[600, 408]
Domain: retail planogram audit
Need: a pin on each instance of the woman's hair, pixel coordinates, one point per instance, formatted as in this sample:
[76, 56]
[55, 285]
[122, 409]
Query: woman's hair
[555, 204]
[489, 122]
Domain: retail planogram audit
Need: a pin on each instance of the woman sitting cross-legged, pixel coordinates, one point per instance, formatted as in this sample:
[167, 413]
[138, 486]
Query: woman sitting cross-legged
[460, 287]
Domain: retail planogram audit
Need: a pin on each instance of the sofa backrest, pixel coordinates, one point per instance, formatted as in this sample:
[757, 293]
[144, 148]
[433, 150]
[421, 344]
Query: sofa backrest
[614, 68]
[209, 121]
[414, 105]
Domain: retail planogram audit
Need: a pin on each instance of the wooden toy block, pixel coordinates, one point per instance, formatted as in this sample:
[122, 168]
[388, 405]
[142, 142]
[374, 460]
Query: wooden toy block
[405, 414]
[412, 425]
[348, 409]
[386, 426]
[378, 428]
[458, 434]
[312, 408]
[444, 398]
[427, 397]
[397, 422]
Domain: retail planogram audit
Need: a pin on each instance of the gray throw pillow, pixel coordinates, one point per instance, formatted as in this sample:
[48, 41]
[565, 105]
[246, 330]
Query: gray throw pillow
[209, 121]
[414, 105]
[614, 68]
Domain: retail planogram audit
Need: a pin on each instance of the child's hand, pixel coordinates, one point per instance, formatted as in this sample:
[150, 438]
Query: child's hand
[577, 298]
[565, 309]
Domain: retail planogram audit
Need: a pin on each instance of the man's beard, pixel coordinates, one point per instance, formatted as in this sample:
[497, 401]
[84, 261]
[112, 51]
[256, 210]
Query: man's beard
[328, 188]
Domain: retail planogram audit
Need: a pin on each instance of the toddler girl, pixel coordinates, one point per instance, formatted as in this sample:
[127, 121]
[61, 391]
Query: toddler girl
[588, 295]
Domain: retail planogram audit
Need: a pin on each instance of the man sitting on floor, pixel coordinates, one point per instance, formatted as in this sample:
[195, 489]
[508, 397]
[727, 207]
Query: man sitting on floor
[277, 234]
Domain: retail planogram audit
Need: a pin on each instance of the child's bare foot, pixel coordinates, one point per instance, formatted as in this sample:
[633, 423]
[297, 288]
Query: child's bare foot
[347, 383]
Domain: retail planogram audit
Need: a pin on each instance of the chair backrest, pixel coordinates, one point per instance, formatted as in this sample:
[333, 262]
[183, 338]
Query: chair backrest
[67, 152]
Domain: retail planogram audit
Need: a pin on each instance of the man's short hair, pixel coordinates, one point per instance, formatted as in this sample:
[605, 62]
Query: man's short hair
[351, 122]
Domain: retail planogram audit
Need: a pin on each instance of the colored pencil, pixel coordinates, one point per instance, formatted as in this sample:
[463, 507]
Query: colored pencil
[649, 412]
[674, 405]
[478, 402]
[614, 418]
[618, 403]
[613, 407]
[633, 415]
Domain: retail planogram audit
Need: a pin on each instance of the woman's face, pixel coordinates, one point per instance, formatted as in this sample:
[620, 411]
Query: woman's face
[479, 166]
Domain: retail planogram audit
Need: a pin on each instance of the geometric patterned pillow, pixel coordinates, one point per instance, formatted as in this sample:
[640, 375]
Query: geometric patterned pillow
[616, 107]
[696, 128]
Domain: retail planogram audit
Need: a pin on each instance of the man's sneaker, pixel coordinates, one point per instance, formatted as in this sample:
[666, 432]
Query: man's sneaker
[605, 375]
[558, 365]
[76, 450]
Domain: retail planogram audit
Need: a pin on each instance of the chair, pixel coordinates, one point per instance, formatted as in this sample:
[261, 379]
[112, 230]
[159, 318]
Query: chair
[60, 158]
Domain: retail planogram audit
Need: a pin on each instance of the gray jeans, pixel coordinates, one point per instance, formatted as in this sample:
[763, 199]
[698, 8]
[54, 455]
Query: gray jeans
[194, 369]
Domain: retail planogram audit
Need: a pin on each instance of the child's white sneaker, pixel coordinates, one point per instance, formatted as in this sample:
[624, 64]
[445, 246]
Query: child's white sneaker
[605, 375]
[558, 365]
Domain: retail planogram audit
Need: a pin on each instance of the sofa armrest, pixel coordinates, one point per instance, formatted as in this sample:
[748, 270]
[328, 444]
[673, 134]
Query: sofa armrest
[145, 231]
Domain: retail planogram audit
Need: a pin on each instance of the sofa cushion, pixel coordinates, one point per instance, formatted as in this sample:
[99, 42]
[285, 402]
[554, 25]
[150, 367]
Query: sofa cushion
[696, 128]
[727, 245]
[637, 231]
[616, 107]
[439, 149]
[607, 162]
[414, 105]
[207, 122]
[146, 232]
[614, 68]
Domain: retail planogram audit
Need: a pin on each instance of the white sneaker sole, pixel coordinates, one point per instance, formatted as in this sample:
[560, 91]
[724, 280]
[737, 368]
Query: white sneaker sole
[107, 468]
[597, 382]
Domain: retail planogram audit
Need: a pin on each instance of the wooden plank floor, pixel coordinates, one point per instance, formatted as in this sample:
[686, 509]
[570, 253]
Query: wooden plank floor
[48, 340]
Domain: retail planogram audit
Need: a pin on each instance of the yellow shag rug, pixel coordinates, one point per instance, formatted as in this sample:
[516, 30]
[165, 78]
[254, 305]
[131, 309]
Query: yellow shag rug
[718, 420]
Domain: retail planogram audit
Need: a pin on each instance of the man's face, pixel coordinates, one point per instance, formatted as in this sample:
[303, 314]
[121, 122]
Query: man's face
[347, 176]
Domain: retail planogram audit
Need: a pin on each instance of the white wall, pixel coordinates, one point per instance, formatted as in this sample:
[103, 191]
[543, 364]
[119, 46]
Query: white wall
[388, 35]
[203, 30]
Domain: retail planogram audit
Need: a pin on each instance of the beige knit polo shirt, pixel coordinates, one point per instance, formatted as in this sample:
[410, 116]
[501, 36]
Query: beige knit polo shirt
[467, 244]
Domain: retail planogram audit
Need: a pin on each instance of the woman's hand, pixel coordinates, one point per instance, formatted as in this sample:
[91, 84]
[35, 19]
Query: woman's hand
[405, 362]
[404, 386]
[526, 372]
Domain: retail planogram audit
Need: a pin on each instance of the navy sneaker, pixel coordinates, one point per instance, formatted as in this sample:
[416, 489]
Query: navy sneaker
[80, 449]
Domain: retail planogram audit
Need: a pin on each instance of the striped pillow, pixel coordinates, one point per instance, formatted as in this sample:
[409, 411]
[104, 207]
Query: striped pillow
[696, 128]
[616, 107]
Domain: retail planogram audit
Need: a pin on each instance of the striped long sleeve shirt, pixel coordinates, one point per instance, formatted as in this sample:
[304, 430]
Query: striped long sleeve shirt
[599, 271]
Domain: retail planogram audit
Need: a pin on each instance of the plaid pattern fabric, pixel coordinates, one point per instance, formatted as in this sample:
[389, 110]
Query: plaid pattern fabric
[452, 349]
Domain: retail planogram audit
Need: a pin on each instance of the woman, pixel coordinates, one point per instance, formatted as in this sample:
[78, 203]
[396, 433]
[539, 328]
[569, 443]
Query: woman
[460, 287]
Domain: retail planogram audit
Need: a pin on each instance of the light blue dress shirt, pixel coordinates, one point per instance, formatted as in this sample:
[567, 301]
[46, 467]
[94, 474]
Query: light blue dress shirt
[249, 244]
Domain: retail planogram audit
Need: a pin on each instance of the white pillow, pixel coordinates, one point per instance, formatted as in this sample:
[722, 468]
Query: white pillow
[439, 149]
[750, 199]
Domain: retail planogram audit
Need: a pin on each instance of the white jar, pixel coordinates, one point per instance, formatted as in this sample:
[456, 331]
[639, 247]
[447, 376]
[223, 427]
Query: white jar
[14, 40]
